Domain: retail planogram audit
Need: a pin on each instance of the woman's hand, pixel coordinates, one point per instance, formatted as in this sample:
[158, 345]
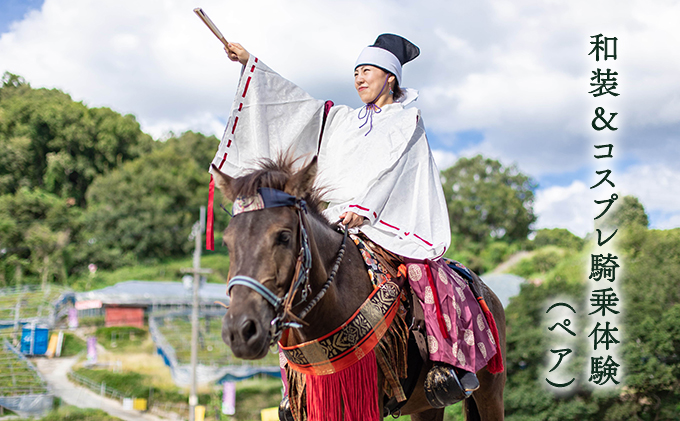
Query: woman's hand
[236, 52]
[351, 219]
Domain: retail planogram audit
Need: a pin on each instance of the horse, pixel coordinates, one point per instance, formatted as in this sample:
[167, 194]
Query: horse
[264, 246]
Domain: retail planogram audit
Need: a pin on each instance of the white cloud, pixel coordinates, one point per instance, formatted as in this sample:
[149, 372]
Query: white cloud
[671, 222]
[444, 158]
[516, 71]
[658, 189]
[568, 207]
[155, 59]
[656, 186]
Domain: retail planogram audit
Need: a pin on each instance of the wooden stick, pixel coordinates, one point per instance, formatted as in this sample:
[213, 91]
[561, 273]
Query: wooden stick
[201, 14]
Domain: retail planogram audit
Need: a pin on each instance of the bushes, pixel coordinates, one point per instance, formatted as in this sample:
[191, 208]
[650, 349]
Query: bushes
[540, 262]
[649, 328]
[72, 413]
[138, 385]
[72, 345]
[559, 237]
[120, 337]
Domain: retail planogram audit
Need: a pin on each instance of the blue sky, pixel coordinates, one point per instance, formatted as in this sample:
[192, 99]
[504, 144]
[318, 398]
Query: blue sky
[15, 10]
[507, 79]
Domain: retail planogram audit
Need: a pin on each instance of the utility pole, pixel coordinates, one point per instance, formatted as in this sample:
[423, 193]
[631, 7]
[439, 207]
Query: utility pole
[196, 232]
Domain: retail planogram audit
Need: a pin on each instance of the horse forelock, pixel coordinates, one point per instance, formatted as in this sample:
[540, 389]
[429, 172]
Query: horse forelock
[275, 173]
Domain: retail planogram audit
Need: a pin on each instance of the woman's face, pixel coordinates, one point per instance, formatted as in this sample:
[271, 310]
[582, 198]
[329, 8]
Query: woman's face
[369, 80]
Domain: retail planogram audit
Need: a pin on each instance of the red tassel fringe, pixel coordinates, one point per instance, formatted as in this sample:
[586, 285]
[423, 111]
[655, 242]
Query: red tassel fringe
[355, 388]
[209, 229]
[495, 364]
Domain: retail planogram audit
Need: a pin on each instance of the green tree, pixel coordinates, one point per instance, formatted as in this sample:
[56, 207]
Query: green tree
[559, 237]
[652, 318]
[488, 201]
[49, 141]
[625, 212]
[649, 327]
[10, 80]
[35, 232]
[145, 209]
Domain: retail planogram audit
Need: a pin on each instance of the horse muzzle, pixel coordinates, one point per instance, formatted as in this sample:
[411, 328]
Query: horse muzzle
[246, 335]
[246, 326]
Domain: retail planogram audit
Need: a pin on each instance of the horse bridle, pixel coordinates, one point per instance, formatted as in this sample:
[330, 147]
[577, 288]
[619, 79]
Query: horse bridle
[284, 317]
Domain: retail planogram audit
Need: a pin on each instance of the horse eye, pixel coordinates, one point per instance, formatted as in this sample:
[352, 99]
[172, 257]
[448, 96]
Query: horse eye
[283, 238]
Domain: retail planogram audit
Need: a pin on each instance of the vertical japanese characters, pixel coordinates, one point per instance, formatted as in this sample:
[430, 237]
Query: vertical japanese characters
[603, 302]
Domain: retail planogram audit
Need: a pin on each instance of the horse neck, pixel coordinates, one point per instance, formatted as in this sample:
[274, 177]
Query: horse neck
[349, 288]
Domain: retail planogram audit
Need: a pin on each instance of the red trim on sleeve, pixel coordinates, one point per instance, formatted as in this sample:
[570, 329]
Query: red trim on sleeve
[255, 59]
[420, 238]
[240, 107]
[252, 69]
[234, 126]
[360, 207]
[246, 88]
[224, 158]
[229, 143]
[375, 215]
[391, 226]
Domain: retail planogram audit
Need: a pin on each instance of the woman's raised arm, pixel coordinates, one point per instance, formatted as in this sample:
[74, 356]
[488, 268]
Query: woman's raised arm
[236, 52]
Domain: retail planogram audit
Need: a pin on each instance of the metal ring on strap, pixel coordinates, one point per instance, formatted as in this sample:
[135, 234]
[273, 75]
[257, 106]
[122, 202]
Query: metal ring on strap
[257, 287]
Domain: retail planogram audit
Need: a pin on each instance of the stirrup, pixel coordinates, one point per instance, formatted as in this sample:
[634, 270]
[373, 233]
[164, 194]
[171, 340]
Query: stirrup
[285, 413]
[446, 385]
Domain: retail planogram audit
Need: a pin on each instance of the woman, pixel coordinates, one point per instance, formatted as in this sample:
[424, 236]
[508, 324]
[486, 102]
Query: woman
[381, 179]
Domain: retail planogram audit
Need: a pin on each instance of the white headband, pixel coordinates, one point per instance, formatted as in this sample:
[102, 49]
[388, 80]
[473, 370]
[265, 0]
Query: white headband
[382, 58]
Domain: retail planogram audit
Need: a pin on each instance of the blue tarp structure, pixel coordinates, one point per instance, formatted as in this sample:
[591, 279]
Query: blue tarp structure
[34, 340]
[238, 373]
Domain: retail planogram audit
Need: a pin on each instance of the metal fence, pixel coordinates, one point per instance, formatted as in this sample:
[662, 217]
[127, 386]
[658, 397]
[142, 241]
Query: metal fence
[25, 304]
[100, 388]
[28, 404]
[174, 411]
[205, 373]
[8, 346]
[26, 400]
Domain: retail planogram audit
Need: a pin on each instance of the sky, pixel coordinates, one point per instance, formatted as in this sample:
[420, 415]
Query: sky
[508, 79]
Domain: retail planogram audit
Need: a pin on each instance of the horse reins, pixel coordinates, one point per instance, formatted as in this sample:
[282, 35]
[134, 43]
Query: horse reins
[283, 306]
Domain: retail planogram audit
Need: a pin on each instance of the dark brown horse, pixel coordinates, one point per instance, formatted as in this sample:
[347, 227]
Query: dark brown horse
[264, 246]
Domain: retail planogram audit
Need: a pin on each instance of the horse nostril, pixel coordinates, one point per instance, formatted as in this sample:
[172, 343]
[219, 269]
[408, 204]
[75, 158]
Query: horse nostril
[248, 330]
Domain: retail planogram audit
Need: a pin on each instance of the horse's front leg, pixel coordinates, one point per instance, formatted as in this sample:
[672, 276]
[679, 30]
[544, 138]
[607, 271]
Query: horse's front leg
[488, 399]
[429, 415]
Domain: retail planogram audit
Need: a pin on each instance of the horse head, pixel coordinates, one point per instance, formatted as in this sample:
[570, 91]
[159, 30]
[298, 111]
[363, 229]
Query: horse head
[264, 246]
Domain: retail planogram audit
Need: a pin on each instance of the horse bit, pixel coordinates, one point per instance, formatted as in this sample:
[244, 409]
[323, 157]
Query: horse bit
[284, 317]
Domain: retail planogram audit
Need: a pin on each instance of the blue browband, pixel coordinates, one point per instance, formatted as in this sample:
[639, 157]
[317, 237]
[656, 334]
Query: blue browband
[274, 198]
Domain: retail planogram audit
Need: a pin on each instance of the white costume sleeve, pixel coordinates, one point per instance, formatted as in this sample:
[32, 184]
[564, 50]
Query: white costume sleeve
[269, 115]
[388, 176]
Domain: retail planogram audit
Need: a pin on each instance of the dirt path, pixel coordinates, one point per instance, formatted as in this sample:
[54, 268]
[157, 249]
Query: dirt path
[514, 259]
[55, 371]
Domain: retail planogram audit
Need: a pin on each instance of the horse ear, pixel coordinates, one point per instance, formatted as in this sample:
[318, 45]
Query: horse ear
[303, 180]
[223, 182]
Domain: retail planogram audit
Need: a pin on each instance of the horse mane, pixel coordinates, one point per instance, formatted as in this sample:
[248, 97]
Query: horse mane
[275, 173]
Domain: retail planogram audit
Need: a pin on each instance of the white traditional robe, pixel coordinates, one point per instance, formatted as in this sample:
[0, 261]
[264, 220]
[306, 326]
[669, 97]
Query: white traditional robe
[388, 176]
